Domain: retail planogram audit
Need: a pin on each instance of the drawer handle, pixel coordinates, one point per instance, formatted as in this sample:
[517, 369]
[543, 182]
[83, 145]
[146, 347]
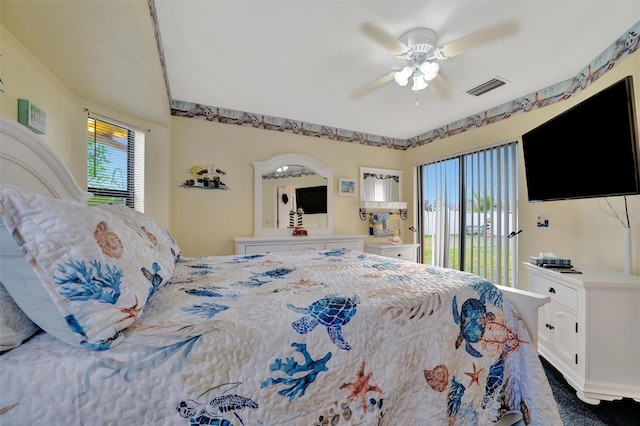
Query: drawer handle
[549, 326]
[552, 290]
[399, 254]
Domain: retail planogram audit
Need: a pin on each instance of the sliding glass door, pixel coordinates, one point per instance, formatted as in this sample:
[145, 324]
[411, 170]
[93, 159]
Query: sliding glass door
[469, 213]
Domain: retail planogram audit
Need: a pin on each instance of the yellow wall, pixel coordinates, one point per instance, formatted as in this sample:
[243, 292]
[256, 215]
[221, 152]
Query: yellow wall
[205, 222]
[25, 77]
[578, 229]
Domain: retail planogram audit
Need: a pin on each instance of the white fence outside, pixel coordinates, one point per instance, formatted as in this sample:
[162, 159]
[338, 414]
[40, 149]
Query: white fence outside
[474, 223]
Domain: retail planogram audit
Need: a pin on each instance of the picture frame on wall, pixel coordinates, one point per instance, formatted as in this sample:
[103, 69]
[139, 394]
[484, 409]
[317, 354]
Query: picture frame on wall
[347, 187]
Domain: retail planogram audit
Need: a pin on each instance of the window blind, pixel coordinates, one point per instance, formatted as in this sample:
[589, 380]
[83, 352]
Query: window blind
[469, 208]
[115, 163]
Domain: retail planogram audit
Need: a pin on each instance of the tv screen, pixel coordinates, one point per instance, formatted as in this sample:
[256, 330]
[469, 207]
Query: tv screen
[590, 150]
[312, 199]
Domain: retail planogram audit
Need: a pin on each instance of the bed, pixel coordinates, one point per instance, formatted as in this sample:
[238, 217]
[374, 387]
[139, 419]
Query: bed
[104, 322]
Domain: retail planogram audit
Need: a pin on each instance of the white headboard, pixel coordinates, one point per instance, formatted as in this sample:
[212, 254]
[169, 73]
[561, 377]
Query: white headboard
[26, 161]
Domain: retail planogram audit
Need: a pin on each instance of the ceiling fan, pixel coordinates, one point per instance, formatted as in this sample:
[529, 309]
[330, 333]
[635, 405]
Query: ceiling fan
[418, 50]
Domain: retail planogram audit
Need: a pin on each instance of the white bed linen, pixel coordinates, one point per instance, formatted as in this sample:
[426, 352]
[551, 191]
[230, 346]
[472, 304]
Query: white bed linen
[303, 338]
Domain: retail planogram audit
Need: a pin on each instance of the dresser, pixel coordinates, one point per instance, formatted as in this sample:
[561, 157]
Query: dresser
[399, 251]
[252, 245]
[590, 331]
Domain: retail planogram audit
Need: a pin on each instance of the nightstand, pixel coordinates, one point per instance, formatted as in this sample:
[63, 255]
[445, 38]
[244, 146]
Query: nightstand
[408, 252]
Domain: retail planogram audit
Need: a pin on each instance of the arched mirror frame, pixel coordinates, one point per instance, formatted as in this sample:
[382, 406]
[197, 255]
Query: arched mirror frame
[262, 167]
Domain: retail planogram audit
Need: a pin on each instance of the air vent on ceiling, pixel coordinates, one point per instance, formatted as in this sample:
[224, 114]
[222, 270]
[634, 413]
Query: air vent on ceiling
[485, 87]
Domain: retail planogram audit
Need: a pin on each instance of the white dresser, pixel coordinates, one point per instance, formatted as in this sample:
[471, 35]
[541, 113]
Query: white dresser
[252, 245]
[590, 331]
[399, 251]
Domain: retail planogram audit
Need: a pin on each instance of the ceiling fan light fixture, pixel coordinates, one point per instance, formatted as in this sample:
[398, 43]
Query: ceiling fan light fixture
[430, 70]
[419, 52]
[419, 83]
[402, 77]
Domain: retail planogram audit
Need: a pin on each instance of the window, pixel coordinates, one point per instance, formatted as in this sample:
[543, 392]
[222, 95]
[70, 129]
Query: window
[469, 209]
[115, 163]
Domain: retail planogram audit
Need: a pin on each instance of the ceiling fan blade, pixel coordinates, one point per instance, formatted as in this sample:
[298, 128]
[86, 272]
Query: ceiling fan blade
[479, 38]
[383, 38]
[440, 86]
[365, 90]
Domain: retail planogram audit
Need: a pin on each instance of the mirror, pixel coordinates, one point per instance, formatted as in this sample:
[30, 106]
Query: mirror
[380, 186]
[285, 183]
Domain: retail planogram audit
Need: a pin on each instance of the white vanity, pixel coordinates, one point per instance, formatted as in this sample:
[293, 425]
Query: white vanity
[280, 184]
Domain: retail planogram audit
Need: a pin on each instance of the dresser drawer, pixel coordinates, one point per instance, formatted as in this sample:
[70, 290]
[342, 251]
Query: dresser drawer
[560, 293]
[253, 245]
[347, 244]
[266, 248]
[307, 246]
[401, 253]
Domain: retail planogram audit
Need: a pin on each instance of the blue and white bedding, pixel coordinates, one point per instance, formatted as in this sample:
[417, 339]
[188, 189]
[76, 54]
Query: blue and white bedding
[309, 338]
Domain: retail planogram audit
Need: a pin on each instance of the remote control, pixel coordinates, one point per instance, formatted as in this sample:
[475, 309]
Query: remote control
[554, 266]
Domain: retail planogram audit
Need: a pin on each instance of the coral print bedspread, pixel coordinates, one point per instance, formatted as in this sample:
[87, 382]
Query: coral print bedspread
[332, 337]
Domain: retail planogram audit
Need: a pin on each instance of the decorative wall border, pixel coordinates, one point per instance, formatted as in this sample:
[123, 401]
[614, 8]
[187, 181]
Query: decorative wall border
[266, 122]
[624, 46]
[603, 63]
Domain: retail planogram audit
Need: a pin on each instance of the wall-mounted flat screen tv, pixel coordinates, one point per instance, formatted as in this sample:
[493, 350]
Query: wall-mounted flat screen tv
[312, 199]
[590, 150]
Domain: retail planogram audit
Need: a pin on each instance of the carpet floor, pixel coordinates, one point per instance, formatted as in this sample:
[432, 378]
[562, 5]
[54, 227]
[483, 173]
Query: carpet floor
[573, 412]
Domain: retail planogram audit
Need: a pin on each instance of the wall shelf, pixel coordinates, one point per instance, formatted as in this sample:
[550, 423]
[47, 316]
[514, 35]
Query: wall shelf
[207, 177]
[223, 188]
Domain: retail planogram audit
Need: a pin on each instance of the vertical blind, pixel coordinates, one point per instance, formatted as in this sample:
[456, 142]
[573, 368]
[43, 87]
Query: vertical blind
[469, 207]
[444, 182]
[115, 163]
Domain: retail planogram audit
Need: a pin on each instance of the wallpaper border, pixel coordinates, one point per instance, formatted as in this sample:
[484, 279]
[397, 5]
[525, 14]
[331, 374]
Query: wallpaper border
[624, 46]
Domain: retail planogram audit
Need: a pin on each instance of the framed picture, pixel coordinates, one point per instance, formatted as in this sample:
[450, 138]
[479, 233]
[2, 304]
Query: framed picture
[347, 187]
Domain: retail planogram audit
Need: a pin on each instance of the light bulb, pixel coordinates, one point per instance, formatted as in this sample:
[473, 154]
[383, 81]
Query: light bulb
[402, 77]
[419, 83]
[430, 70]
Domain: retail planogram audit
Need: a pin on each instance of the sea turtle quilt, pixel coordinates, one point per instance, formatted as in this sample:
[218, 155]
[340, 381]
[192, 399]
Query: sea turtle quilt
[329, 337]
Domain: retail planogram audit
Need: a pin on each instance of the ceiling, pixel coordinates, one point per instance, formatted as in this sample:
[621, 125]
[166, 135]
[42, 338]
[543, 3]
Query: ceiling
[302, 60]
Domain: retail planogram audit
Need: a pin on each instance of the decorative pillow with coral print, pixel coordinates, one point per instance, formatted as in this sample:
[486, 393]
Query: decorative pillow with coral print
[98, 271]
[159, 236]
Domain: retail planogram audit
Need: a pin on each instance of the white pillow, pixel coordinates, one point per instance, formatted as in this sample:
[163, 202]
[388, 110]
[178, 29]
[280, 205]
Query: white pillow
[30, 298]
[96, 272]
[15, 326]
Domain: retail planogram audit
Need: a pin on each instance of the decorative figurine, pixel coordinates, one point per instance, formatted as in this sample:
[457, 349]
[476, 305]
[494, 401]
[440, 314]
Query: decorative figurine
[298, 230]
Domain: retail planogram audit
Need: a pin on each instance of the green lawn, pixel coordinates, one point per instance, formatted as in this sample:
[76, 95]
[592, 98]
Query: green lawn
[475, 251]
